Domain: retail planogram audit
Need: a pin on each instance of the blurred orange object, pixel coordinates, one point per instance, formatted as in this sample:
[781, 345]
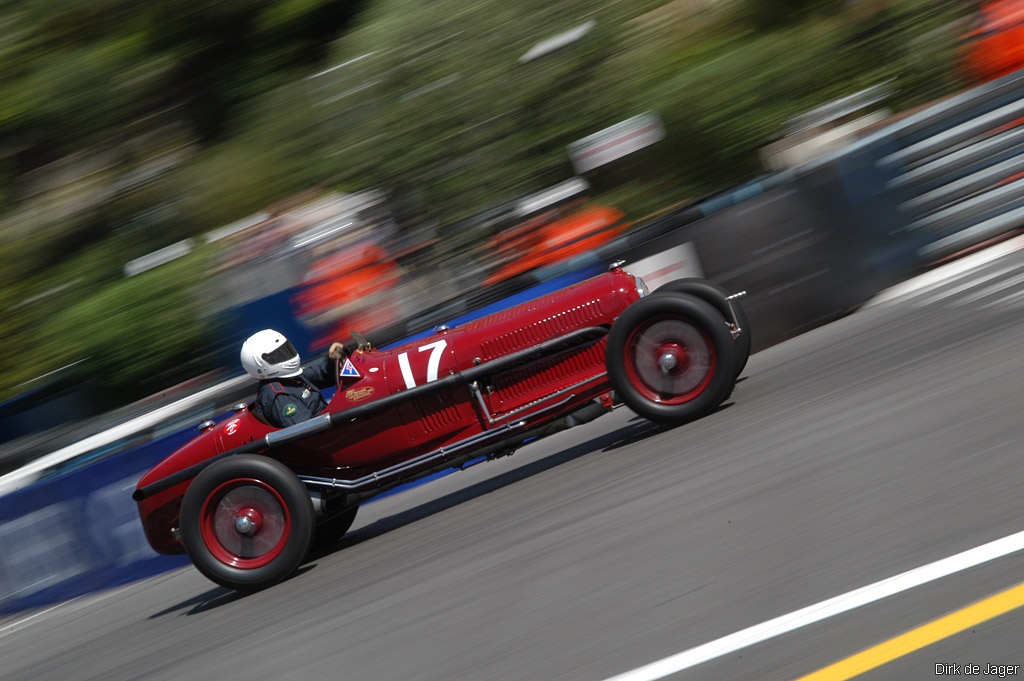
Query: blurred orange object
[348, 290]
[995, 44]
[552, 237]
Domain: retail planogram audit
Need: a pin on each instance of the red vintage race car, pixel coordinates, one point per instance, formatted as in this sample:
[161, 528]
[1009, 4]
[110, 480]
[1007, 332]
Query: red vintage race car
[247, 501]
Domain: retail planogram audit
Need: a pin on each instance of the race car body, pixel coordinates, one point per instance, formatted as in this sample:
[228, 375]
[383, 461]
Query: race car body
[246, 501]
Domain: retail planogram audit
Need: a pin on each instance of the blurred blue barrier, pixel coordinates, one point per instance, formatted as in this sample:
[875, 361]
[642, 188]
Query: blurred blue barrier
[53, 400]
[72, 534]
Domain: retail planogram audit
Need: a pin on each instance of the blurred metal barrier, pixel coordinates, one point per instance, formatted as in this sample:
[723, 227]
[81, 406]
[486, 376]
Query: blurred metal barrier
[958, 167]
[789, 241]
[813, 242]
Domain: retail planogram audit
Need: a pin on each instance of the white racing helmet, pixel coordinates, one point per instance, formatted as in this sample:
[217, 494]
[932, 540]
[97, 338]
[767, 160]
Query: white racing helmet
[268, 354]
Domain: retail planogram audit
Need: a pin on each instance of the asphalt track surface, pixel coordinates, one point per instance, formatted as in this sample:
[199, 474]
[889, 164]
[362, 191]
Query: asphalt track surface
[870, 447]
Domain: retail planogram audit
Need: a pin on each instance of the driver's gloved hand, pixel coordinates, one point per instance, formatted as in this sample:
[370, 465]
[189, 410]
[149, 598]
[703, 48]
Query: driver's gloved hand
[337, 351]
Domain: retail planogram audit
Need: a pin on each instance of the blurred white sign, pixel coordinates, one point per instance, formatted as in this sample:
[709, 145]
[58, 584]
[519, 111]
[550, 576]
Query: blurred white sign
[549, 197]
[558, 42]
[615, 142]
[678, 262]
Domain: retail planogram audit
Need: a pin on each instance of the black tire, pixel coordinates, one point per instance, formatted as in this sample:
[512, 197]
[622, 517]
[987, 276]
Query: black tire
[693, 337]
[280, 518]
[332, 529]
[716, 295]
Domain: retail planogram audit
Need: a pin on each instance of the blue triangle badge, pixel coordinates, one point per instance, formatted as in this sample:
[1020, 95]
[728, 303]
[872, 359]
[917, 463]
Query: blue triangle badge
[349, 371]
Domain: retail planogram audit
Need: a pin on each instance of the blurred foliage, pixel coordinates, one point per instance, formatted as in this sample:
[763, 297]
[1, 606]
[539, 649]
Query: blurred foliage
[769, 14]
[117, 119]
[138, 335]
[451, 109]
[79, 73]
[125, 127]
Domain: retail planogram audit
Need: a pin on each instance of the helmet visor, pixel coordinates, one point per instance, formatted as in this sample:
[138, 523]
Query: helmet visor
[280, 354]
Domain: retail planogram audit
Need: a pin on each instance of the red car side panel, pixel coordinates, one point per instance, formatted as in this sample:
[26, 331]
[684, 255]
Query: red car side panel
[434, 419]
[595, 302]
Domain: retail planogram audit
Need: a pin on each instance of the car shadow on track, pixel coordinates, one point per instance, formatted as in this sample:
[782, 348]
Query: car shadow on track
[638, 429]
[204, 602]
[217, 597]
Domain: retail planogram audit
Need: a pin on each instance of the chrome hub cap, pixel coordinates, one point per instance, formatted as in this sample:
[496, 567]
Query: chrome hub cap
[667, 362]
[248, 522]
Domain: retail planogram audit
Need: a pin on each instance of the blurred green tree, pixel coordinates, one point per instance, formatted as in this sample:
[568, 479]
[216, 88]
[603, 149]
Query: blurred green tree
[770, 14]
[138, 335]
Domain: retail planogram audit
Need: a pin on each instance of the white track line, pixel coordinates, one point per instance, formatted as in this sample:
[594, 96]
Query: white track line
[9, 628]
[826, 609]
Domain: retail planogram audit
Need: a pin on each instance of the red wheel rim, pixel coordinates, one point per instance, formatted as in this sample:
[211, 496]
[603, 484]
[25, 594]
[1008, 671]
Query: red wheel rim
[669, 360]
[245, 523]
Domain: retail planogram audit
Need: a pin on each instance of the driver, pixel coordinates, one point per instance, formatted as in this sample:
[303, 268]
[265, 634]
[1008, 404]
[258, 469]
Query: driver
[288, 392]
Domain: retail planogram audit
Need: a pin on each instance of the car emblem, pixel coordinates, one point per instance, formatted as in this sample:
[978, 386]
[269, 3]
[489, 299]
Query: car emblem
[358, 394]
[349, 370]
[231, 427]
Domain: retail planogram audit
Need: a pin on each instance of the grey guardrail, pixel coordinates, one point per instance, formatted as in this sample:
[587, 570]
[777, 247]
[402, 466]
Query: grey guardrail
[954, 169]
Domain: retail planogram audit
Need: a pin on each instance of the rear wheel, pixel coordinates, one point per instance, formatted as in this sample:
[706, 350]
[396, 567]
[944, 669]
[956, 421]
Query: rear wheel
[246, 522]
[716, 295]
[671, 358]
[334, 528]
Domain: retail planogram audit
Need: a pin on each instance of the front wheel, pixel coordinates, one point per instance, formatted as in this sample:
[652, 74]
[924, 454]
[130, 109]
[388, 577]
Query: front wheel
[717, 296]
[246, 522]
[671, 358]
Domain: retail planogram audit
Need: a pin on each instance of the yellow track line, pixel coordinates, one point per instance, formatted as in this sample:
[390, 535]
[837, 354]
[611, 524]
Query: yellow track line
[915, 639]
